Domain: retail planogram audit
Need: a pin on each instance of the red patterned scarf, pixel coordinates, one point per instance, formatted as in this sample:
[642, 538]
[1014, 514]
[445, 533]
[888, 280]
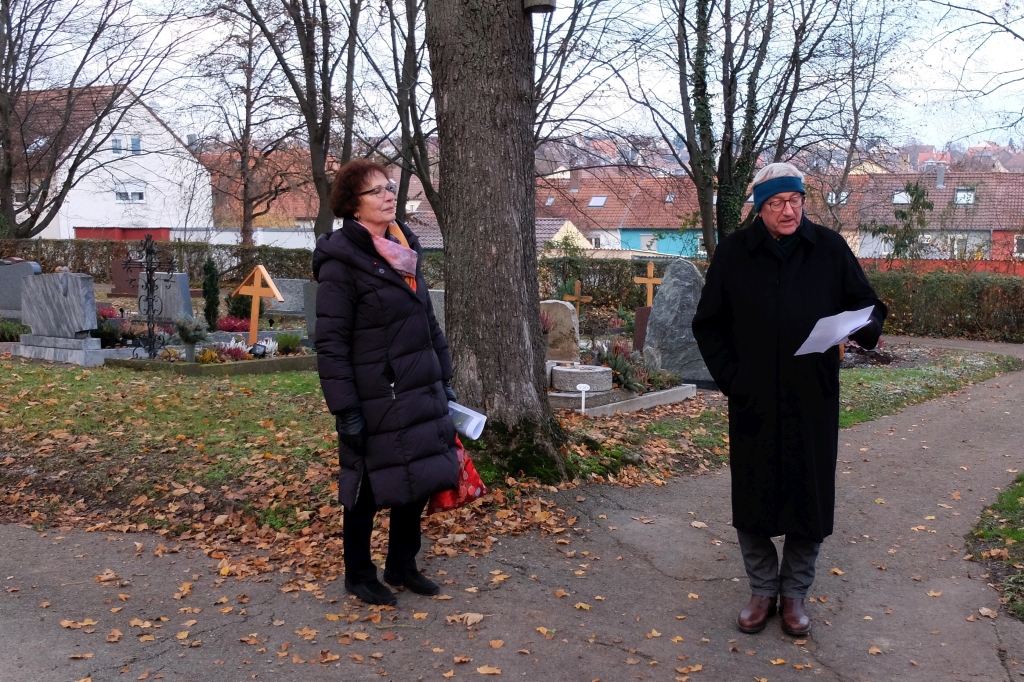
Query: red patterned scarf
[399, 256]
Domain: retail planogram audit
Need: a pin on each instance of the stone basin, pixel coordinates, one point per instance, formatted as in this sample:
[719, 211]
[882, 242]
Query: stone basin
[567, 378]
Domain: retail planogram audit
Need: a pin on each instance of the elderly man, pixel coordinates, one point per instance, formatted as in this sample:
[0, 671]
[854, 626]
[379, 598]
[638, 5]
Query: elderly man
[766, 288]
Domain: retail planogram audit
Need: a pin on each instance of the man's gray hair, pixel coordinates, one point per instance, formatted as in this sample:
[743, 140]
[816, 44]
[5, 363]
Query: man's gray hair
[777, 170]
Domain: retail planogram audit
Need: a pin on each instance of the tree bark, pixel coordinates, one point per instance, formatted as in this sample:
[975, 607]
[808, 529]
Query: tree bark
[482, 63]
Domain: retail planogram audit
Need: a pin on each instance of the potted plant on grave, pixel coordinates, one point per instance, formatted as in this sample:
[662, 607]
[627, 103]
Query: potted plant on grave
[191, 331]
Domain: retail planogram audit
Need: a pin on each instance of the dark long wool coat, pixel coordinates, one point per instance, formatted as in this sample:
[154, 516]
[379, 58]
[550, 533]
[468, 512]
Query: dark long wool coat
[756, 309]
[380, 349]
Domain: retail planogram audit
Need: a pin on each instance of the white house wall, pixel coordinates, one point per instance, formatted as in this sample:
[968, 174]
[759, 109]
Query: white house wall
[176, 187]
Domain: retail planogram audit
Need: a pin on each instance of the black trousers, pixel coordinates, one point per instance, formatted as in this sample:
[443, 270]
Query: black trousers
[403, 543]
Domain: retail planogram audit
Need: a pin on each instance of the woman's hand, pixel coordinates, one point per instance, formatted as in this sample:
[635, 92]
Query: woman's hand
[350, 424]
[449, 392]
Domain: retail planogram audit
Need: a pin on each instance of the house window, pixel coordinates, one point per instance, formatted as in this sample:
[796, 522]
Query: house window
[115, 145]
[900, 197]
[136, 146]
[960, 247]
[843, 198]
[670, 198]
[963, 196]
[1018, 246]
[648, 242]
[130, 194]
[597, 202]
[549, 201]
[596, 241]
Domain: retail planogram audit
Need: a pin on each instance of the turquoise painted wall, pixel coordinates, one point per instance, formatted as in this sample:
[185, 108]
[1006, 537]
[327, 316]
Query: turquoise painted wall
[682, 243]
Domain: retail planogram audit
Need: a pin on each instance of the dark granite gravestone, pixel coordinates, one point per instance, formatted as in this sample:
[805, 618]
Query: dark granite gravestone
[640, 319]
[11, 280]
[309, 307]
[669, 343]
[121, 276]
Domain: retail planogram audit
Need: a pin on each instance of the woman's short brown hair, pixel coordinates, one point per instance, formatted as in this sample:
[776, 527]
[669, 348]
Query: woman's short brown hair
[349, 181]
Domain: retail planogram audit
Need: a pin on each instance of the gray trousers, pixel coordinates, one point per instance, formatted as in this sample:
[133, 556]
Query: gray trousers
[761, 560]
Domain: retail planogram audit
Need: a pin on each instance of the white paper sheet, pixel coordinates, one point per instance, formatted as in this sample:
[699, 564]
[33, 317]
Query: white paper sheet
[833, 330]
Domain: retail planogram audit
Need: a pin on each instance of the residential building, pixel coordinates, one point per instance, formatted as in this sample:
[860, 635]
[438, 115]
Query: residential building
[143, 176]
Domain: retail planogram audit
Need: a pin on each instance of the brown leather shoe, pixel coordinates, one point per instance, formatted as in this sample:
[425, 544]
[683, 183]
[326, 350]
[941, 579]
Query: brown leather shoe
[755, 615]
[794, 621]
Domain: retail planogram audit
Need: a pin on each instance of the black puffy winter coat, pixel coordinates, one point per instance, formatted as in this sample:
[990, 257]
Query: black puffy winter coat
[380, 349]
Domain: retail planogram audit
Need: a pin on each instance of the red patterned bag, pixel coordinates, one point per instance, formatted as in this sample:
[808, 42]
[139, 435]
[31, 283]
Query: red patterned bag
[470, 486]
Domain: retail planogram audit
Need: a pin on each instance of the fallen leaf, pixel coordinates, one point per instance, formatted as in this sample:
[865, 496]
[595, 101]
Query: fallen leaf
[147, 638]
[693, 596]
[778, 661]
[561, 593]
[462, 658]
[956, 495]
[987, 612]
[836, 571]
[326, 656]
[78, 657]
[677, 639]
[698, 524]
[582, 606]
[497, 643]
[182, 635]
[874, 650]
[933, 593]
[488, 670]
[449, 674]
[419, 616]
[653, 633]
[114, 636]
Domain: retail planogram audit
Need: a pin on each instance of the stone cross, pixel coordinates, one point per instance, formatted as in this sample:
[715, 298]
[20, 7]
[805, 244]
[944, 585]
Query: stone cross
[650, 280]
[253, 285]
[577, 299]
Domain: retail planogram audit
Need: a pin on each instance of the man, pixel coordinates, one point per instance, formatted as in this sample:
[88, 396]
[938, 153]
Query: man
[766, 288]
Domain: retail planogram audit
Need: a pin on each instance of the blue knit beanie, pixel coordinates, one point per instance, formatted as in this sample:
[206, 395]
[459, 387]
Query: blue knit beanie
[769, 188]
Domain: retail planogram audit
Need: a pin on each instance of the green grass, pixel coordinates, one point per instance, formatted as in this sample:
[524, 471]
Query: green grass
[998, 541]
[867, 394]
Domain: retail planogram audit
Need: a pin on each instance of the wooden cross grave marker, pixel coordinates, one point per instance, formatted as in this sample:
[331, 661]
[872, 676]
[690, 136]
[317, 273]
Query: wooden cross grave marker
[253, 285]
[577, 298]
[650, 280]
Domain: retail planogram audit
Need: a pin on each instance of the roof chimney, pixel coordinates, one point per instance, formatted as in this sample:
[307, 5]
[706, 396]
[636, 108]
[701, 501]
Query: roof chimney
[575, 178]
[940, 175]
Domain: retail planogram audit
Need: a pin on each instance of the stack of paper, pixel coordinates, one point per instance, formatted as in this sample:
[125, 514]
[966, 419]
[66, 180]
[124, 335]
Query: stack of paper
[835, 329]
[467, 422]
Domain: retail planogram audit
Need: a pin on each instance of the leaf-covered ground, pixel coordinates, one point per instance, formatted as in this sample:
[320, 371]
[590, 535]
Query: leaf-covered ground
[245, 466]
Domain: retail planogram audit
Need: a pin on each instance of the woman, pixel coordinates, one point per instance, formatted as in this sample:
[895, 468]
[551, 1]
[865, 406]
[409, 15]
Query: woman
[766, 288]
[384, 369]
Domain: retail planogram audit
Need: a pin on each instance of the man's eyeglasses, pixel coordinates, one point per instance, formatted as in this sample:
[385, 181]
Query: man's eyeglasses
[380, 189]
[777, 205]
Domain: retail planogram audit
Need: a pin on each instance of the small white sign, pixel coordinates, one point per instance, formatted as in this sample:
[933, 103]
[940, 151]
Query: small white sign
[582, 387]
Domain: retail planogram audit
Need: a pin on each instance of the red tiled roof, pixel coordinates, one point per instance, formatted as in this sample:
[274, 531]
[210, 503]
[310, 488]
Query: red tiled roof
[629, 201]
[998, 200]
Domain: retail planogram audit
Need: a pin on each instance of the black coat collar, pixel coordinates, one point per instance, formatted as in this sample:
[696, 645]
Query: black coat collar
[757, 233]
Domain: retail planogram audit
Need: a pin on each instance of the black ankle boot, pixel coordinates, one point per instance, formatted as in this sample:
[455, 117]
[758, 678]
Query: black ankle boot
[371, 592]
[412, 580]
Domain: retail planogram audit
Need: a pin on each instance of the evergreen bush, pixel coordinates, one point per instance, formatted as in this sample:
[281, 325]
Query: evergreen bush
[211, 292]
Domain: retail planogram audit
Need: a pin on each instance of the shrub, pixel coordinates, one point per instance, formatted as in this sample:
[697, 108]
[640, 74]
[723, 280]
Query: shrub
[11, 331]
[211, 292]
[233, 324]
[288, 343]
[108, 331]
[241, 306]
[106, 312]
[208, 356]
[975, 305]
[190, 330]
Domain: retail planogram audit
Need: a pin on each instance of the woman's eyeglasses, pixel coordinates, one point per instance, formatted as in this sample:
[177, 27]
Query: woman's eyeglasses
[380, 189]
[796, 203]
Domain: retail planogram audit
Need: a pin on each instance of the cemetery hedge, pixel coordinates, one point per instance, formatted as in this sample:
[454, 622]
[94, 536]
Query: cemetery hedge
[973, 305]
[94, 256]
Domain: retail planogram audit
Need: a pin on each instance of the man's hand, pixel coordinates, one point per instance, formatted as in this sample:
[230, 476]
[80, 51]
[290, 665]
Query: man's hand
[867, 336]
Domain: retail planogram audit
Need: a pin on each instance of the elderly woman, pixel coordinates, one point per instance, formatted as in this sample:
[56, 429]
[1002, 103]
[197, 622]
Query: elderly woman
[766, 288]
[384, 369]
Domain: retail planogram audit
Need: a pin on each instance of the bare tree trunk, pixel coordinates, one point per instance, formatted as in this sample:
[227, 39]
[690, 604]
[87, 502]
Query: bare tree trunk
[482, 61]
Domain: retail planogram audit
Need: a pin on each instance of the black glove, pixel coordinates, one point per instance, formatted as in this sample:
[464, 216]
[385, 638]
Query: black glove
[449, 392]
[349, 424]
[867, 336]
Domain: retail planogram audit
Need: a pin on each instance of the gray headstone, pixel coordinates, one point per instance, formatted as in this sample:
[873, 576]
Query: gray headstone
[670, 344]
[10, 286]
[437, 301]
[293, 290]
[61, 305]
[309, 307]
[173, 299]
[564, 337]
